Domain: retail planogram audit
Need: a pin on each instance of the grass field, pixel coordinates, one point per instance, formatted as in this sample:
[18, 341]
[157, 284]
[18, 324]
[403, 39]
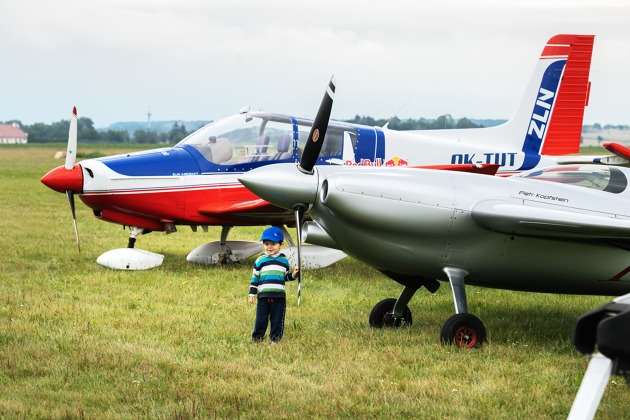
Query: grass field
[78, 340]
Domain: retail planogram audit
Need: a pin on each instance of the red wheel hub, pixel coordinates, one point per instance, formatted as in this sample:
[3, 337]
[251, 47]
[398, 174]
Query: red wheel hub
[465, 337]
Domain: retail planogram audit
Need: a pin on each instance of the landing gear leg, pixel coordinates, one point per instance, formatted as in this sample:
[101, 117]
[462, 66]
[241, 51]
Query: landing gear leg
[462, 329]
[393, 312]
[225, 251]
[134, 232]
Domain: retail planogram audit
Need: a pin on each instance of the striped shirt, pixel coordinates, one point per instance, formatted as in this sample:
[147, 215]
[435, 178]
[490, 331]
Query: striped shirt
[269, 275]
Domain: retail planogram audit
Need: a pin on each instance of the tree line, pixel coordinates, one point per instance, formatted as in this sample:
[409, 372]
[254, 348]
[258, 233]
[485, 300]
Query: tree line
[58, 132]
[395, 123]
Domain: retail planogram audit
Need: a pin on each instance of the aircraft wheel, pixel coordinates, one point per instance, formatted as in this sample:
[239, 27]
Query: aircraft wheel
[463, 330]
[382, 315]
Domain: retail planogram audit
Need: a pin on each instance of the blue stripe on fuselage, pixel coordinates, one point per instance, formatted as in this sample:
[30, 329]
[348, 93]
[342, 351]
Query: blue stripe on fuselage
[541, 113]
[158, 162]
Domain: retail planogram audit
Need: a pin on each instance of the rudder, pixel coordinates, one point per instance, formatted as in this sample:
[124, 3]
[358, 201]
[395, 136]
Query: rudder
[565, 125]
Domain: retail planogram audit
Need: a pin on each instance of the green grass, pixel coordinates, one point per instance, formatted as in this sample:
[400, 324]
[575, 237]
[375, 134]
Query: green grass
[79, 340]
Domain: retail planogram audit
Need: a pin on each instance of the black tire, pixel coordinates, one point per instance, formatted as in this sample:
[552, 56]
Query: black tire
[463, 330]
[382, 316]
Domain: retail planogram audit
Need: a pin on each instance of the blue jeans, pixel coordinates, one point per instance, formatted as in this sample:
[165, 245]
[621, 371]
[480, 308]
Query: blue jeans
[269, 310]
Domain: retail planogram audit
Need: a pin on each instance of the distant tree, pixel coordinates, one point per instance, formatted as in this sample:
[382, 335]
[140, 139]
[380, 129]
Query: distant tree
[177, 133]
[465, 123]
[37, 132]
[58, 131]
[145, 136]
[114, 136]
[444, 121]
[86, 130]
[597, 127]
[11, 122]
[395, 123]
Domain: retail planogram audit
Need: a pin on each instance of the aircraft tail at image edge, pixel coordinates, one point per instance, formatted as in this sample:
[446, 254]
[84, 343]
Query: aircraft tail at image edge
[565, 125]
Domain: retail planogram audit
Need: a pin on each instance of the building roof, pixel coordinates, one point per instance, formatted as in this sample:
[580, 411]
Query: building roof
[11, 131]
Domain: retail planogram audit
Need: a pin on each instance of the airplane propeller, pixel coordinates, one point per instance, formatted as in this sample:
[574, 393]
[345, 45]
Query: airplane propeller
[71, 155]
[307, 162]
[318, 131]
[71, 158]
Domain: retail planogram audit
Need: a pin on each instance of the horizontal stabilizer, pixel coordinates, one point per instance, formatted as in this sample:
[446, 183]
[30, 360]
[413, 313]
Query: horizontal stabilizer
[618, 149]
[600, 159]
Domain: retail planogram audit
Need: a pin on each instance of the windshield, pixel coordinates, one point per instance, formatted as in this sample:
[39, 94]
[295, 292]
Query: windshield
[597, 177]
[243, 138]
[258, 136]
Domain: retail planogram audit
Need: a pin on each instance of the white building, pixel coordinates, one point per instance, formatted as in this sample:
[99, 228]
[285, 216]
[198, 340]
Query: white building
[12, 134]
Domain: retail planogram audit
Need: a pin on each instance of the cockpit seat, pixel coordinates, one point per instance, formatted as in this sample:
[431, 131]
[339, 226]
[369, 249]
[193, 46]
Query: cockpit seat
[260, 151]
[221, 151]
[283, 148]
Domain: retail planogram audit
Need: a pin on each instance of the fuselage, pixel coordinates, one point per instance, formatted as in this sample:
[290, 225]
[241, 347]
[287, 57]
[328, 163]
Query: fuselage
[195, 182]
[417, 222]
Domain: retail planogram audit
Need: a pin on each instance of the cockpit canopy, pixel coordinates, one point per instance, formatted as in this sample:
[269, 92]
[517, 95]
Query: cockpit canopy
[597, 177]
[257, 136]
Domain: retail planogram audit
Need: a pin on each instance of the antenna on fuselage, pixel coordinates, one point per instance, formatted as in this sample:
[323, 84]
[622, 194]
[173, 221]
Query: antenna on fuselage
[399, 109]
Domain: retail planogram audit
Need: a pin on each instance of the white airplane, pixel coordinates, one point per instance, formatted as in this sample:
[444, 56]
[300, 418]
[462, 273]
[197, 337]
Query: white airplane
[195, 182]
[563, 229]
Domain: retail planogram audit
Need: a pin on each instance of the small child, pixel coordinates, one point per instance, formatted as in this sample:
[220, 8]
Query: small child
[271, 270]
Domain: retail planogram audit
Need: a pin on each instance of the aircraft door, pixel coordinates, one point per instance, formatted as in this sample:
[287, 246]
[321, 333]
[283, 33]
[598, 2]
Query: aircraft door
[368, 145]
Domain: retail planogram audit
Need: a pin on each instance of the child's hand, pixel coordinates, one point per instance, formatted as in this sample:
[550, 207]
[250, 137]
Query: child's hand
[296, 271]
[252, 299]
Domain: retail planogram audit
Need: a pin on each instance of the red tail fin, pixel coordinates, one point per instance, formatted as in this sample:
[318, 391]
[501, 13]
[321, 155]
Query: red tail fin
[565, 126]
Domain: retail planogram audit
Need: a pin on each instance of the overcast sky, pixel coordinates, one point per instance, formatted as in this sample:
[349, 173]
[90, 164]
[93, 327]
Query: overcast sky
[198, 59]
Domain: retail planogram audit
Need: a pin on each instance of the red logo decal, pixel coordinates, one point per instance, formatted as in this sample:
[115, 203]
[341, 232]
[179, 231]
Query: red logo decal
[316, 135]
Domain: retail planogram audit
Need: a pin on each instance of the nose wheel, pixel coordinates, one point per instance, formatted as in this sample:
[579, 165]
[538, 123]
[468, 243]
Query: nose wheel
[382, 315]
[463, 330]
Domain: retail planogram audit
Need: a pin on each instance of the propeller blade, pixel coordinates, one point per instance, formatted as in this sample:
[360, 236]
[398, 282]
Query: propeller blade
[318, 131]
[299, 220]
[70, 195]
[71, 151]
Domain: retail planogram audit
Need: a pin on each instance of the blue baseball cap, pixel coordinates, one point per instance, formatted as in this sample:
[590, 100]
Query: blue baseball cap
[272, 234]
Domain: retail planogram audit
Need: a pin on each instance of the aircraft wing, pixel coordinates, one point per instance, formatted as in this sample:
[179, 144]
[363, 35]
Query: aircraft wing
[519, 219]
[234, 207]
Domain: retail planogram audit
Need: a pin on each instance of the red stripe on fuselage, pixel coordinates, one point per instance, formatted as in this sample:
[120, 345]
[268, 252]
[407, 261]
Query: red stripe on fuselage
[181, 204]
[618, 276]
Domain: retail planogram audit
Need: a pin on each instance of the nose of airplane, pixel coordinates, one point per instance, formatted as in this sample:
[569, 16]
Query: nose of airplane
[281, 184]
[61, 179]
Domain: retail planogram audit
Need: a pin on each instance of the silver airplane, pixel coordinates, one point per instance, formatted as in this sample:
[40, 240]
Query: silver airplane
[562, 229]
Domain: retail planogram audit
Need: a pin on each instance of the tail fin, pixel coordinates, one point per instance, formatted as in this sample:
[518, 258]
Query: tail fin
[552, 109]
[549, 118]
[565, 127]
